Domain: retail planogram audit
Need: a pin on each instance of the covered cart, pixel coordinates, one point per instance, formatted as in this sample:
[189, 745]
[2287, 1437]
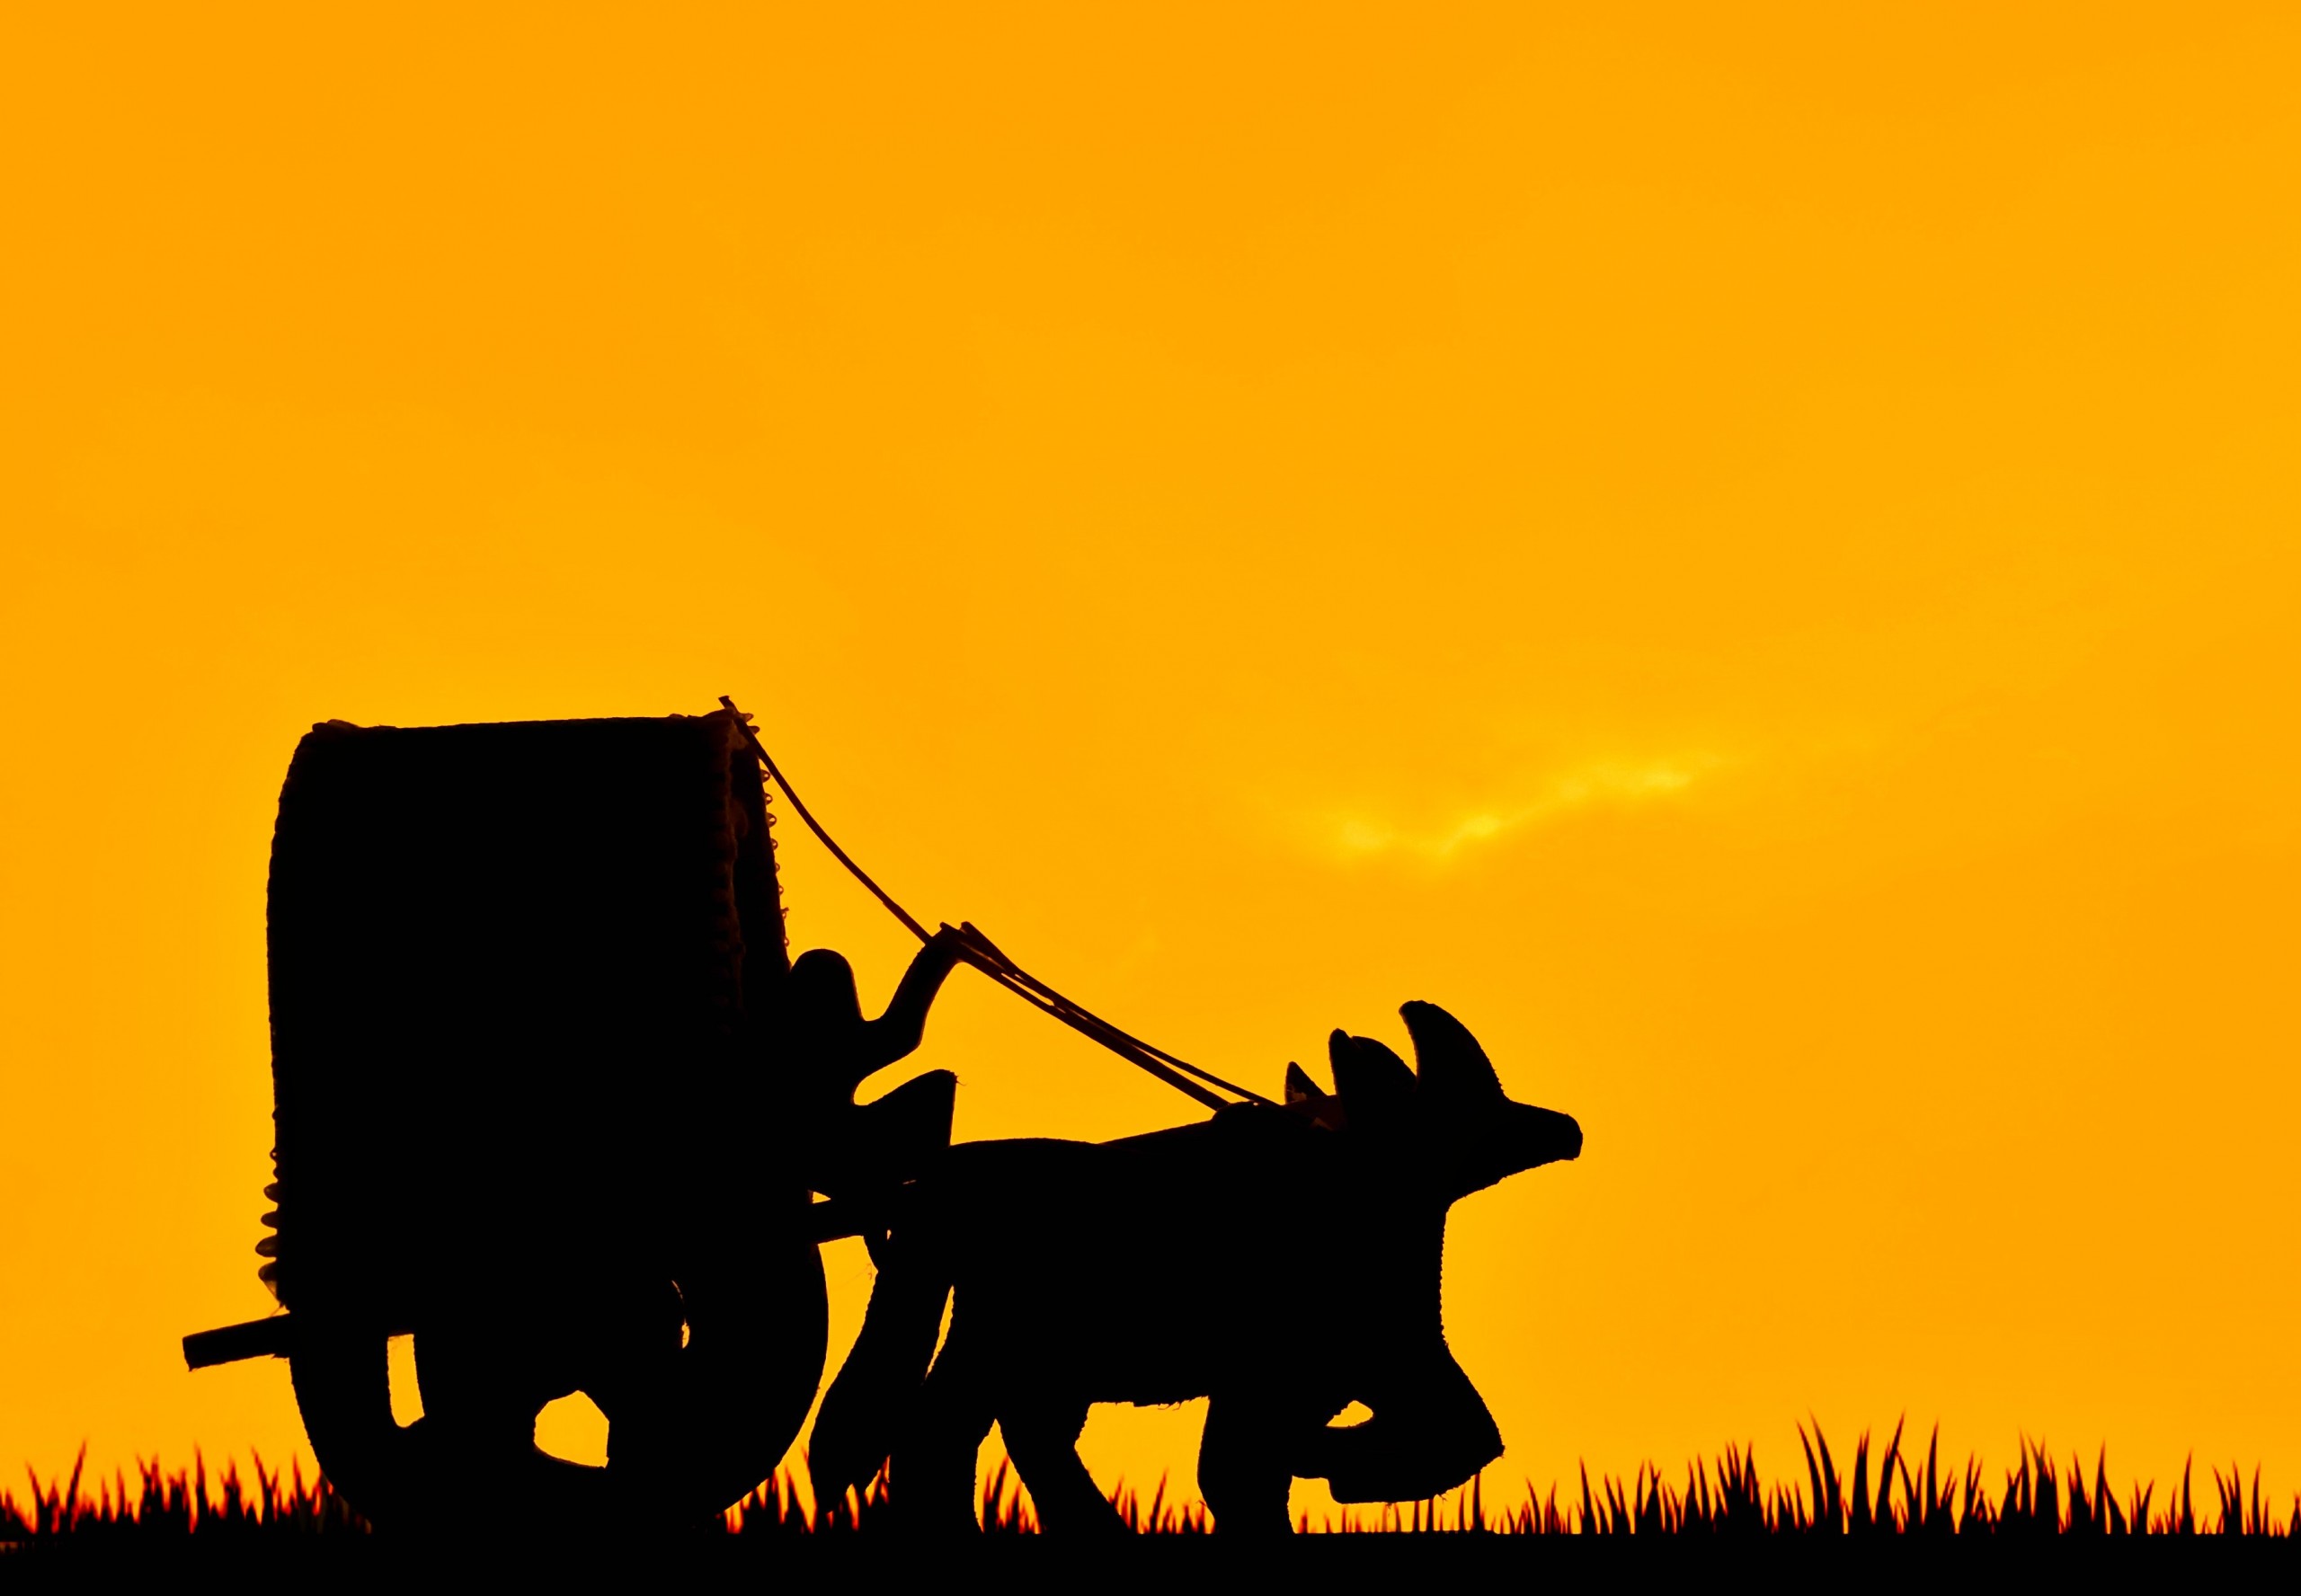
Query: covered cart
[552, 1097]
[534, 1106]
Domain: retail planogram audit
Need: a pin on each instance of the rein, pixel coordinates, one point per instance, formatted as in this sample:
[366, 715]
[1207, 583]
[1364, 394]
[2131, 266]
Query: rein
[985, 955]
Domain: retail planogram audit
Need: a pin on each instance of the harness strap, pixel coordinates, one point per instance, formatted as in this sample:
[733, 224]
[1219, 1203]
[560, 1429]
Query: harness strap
[985, 956]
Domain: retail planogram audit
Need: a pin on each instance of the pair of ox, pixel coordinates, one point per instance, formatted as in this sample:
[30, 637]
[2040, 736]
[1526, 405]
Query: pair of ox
[1282, 1261]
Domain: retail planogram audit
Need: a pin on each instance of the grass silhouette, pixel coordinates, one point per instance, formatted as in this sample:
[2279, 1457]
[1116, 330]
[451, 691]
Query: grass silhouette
[157, 1506]
[1722, 1498]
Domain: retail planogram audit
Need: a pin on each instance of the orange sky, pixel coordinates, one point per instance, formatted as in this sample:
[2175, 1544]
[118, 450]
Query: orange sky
[1749, 552]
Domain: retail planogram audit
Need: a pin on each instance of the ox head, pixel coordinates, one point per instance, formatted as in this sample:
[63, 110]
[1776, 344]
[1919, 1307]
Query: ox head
[1447, 1117]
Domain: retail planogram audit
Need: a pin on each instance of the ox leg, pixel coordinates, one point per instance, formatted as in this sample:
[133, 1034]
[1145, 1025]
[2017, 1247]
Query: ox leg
[1042, 1438]
[1244, 1466]
[930, 1476]
[1429, 1435]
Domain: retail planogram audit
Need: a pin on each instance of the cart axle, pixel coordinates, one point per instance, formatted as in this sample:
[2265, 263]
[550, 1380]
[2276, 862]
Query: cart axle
[275, 1337]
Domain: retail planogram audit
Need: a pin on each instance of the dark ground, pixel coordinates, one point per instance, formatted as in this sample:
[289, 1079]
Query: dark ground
[1409, 1563]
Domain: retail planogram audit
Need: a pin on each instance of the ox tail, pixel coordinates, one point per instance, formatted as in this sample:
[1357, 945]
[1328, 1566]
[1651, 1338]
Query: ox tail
[864, 1411]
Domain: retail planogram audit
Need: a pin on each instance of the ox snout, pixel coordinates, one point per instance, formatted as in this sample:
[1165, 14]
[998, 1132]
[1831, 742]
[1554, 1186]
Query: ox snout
[1547, 1137]
[1508, 1137]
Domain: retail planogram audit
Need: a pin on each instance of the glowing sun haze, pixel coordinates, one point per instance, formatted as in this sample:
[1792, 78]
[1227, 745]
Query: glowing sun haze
[1749, 552]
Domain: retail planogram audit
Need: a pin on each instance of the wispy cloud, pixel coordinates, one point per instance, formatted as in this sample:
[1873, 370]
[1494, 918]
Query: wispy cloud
[1596, 786]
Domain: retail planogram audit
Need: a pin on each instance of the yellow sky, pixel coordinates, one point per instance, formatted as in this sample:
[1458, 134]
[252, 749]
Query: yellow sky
[1748, 552]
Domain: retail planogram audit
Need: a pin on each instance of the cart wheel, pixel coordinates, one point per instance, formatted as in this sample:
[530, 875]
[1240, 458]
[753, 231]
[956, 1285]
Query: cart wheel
[704, 1384]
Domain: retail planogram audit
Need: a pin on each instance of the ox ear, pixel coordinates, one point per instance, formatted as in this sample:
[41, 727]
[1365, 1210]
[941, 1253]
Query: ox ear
[1305, 1097]
[1452, 1066]
[1372, 1079]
